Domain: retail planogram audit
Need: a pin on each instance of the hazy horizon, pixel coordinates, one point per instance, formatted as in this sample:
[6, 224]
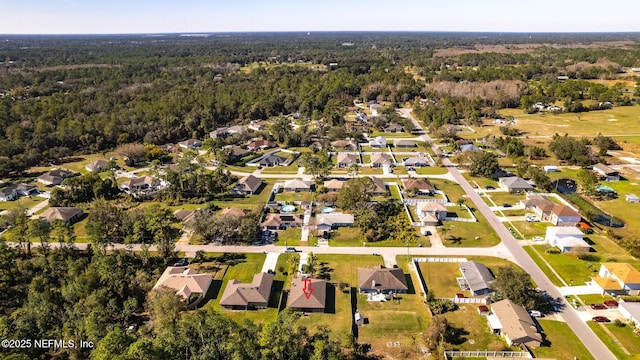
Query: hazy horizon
[73, 17]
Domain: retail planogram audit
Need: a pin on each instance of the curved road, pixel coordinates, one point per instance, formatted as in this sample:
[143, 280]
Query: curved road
[595, 346]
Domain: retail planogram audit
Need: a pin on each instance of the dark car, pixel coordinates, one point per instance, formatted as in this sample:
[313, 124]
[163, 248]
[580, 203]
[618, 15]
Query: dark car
[601, 319]
[489, 187]
[292, 250]
[597, 307]
[611, 304]
[182, 262]
[506, 205]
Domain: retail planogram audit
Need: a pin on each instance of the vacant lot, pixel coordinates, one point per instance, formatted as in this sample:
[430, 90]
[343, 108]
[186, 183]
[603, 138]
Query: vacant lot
[625, 335]
[560, 342]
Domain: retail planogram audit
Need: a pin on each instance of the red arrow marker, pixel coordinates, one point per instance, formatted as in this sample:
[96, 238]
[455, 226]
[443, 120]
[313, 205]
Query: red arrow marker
[307, 289]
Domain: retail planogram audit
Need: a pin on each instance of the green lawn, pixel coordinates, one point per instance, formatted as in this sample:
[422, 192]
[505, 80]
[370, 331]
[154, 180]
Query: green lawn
[500, 198]
[25, 202]
[290, 237]
[246, 202]
[463, 234]
[620, 208]
[350, 236]
[482, 182]
[530, 229]
[475, 328]
[567, 265]
[624, 335]
[290, 196]
[450, 188]
[291, 169]
[440, 278]
[431, 170]
[560, 342]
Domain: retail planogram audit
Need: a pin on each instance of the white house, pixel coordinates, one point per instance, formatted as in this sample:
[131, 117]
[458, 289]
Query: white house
[431, 212]
[378, 142]
[550, 168]
[631, 312]
[566, 238]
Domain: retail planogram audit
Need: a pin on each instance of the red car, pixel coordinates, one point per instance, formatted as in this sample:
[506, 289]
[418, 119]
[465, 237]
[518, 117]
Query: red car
[597, 307]
[611, 304]
[602, 319]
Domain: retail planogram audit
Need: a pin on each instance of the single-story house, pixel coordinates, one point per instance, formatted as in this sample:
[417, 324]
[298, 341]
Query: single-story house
[257, 126]
[219, 133]
[97, 166]
[185, 216]
[404, 143]
[415, 162]
[431, 212]
[140, 183]
[514, 323]
[345, 144]
[632, 198]
[380, 159]
[346, 160]
[55, 177]
[236, 129]
[379, 279]
[281, 221]
[334, 185]
[236, 212]
[190, 144]
[631, 312]
[247, 185]
[606, 173]
[65, 214]
[239, 296]
[186, 282]
[566, 238]
[236, 151]
[469, 147]
[380, 187]
[478, 277]
[327, 222]
[375, 108]
[514, 184]
[307, 294]
[563, 215]
[260, 144]
[23, 189]
[378, 142]
[9, 193]
[297, 185]
[272, 160]
[618, 279]
[393, 128]
[420, 186]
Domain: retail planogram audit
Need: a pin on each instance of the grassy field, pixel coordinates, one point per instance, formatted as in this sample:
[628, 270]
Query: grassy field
[246, 202]
[463, 234]
[531, 229]
[560, 342]
[350, 236]
[431, 170]
[291, 169]
[450, 188]
[618, 120]
[624, 335]
[500, 198]
[290, 237]
[568, 266]
[474, 327]
[24, 202]
[620, 208]
[290, 196]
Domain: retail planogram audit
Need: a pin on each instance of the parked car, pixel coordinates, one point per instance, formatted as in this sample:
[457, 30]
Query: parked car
[535, 313]
[182, 262]
[506, 205]
[597, 307]
[601, 319]
[611, 304]
[292, 250]
[489, 187]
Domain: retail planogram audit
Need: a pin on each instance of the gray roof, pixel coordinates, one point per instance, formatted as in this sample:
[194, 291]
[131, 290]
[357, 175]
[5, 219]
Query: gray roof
[249, 183]
[469, 147]
[514, 182]
[403, 142]
[412, 161]
[60, 213]
[477, 275]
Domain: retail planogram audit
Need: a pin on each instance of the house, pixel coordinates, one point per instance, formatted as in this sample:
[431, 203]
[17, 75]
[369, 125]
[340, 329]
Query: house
[257, 126]
[566, 238]
[9, 193]
[380, 160]
[260, 144]
[190, 144]
[97, 166]
[630, 311]
[469, 147]
[297, 185]
[327, 222]
[605, 173]
[239, 296]
[404, 143]
[236, 151]
[540, 205]
[272, 160]
[55, 177]
[514, 323]
[419, 186]
[281, 221]
[219, 133]
[375, 109]
[380, 188]
[247, 185]
[478, 277]
[237, 129]
[514, 184]
[186, 282]
[562, 215]
[307, 294]
[185, 216]
[169, 147]
[632, 198]
[379, 279]
[393, 128]
[140, 183]
[378, 142]
[618, 279]
[235, 212]
[431, 212]
[415, 162]
[345, 144]
[68, 215]
[346, 160]
[334, 185]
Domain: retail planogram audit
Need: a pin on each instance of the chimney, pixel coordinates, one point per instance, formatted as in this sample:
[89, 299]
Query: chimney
[373, 284]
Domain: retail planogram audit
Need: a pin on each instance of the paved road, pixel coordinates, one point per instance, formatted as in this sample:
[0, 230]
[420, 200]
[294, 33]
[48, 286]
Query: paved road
[595, 346]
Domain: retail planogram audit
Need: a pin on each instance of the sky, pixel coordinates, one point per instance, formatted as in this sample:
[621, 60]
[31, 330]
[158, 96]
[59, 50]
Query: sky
[195, 16]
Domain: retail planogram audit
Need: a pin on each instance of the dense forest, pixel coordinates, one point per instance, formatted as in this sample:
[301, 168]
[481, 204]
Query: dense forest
[64, 95]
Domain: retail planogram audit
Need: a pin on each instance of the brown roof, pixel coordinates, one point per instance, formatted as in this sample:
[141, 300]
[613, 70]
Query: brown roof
[278, 219]
[430, 206]
[384, 278]
[334, 184]
[538, 201]
[302, 297]
[184, 281]
[516, 323]
[242, 294]
[419, 184]
[60, 213]
[233, 211]
[256, 144]
[347, 159]
[97, 165]
[380, 186]
[563, 210]
[380, 158]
